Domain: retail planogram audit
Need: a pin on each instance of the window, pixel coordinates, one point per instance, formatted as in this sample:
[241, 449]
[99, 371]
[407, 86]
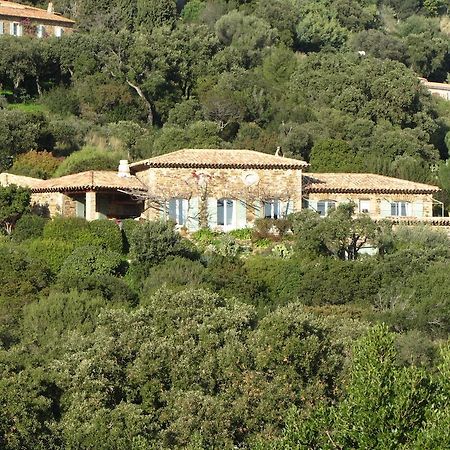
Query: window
[59, 31]
[40, 31]
[272, 209]
[400, 209]
[2, 29]
[364, 206]
[16, 29]
[324, 207]
[178, 208]
[225, 211]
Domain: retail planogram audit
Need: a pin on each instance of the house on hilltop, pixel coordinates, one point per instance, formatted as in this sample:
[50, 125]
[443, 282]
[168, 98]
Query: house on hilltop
[225, 190]
[19, 20]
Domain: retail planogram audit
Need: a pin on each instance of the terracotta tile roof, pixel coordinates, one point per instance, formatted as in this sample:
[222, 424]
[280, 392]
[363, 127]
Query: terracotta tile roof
[7, 179]
[12, 9]
[362, 182]
[92, 180]
[220, 159]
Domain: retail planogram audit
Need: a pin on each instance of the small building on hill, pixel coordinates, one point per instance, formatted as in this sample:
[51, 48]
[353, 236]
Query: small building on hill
[376, 195]
[440, 89]
[95, 194]
[220, 189]
[19, 20]
[225, 190]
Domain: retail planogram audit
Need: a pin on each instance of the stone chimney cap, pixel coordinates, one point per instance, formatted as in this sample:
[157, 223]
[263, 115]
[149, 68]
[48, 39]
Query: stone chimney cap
[279, 152]
[124, 169]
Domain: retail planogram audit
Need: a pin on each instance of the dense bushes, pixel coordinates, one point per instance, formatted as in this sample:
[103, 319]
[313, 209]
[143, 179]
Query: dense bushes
[29, 226]
[212, 343]
[79, 232]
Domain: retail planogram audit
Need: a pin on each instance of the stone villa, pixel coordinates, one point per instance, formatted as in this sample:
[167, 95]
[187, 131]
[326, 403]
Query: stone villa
[20, 20]
[225, 190]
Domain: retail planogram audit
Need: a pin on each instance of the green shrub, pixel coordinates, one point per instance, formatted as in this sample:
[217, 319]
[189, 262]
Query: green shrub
[29, 226]
[241, 234]
[62, 101]
[48, 319]
[128, 225]
[174, 273]
[205, 236]
[89, 158]
[52, 251]
[100, 233]
[70, 229]
[90, 261]
[35, 164]
[108, 234]
[151, 242]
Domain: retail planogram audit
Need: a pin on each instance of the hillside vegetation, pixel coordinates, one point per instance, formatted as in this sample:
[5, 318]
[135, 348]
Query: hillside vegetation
[332, 82]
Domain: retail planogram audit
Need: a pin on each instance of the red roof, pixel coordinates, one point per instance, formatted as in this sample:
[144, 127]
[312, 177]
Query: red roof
[17, 10]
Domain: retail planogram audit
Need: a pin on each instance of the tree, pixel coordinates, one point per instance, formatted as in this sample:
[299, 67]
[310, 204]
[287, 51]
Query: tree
[151, 243]
[14, 202]
[333, 155]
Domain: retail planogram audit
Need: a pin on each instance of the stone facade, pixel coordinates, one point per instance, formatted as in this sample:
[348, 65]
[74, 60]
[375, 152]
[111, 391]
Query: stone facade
[421, 205]
[202, 188]
[38, 27]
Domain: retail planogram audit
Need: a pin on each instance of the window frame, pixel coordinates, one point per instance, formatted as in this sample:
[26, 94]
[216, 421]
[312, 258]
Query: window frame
[275, 209]
[329, 205]
[16, 26]
[228, 216]
[40, 31]
[400, 206]
[58, 31]
[361, 210]
[181, 210]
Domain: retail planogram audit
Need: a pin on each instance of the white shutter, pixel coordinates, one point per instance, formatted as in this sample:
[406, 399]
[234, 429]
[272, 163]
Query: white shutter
[241, 214]
[287, 208]
[417, 209]
[258, 209]
[11, 28]
[2, 30]
[192, 214]
[212, 212]
[312, 204]
[385, 208]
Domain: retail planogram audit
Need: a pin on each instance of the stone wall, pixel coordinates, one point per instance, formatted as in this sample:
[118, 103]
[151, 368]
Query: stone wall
[50, 204]
[50, 27]
[250, 186]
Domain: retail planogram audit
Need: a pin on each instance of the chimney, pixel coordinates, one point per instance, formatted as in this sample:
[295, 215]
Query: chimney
[50, 8]
[279, 152]
[124, 169]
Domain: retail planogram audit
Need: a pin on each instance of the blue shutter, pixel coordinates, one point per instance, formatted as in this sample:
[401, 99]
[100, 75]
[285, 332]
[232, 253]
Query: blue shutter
[192, 214]
[241, 214]
[212, 212]
[417, 209]
[385, 208]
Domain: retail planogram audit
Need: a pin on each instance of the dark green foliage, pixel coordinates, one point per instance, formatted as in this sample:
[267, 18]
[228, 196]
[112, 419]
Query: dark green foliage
[108, 234]
[89, 261]
[61, 101]
[46, 321]
[21, 279]
[150, 244]
[52, 251]
[14, 202]
[29, 226]
[89, 159]
[21, 132]
[174, 273]
[79, 232]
